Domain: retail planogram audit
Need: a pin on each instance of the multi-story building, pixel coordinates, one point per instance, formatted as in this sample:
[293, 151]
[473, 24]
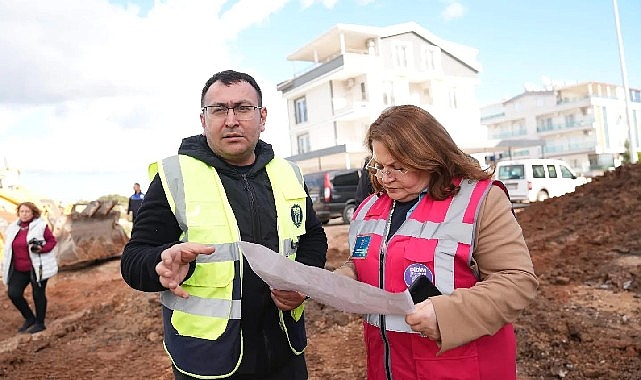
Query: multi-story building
[354, 72]
[584, 124]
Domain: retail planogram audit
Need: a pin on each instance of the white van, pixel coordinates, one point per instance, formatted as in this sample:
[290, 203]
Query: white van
[536, 179]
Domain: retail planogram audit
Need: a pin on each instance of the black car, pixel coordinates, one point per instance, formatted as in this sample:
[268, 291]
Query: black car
[333, 193]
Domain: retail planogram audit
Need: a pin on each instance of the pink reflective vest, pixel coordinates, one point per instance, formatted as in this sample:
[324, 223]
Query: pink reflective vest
[436, 239]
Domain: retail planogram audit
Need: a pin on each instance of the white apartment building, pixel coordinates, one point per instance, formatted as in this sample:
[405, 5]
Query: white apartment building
[354, 72]
[584, 124]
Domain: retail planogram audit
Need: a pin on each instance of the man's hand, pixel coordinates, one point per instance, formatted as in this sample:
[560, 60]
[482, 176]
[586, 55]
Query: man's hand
[423, 320]
[287, 300]
[174, 264]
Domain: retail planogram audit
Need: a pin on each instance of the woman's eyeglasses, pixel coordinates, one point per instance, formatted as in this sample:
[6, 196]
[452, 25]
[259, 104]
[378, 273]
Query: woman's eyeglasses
[379, 170]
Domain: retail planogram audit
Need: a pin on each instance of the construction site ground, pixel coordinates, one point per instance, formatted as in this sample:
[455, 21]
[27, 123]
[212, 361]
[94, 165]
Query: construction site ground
[584, 324]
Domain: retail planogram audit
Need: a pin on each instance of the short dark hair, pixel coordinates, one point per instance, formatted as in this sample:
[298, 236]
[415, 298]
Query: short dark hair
[228, 77]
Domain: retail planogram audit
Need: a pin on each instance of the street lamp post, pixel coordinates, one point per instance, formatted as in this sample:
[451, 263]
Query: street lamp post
[632, 142]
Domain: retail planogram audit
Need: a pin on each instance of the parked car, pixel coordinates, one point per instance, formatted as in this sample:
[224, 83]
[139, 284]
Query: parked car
[537, 179]
[333, 193]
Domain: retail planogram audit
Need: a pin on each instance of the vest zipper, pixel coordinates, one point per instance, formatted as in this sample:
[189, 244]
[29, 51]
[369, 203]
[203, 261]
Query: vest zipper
[381, 282]
[252, 209]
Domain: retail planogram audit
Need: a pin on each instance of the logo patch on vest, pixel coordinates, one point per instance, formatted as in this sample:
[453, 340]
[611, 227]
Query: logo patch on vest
[360, 246]
[297, 215]
[414, 270]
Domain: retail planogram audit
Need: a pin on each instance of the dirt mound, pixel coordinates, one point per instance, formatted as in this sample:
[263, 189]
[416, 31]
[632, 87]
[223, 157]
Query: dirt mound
[585, 323]
[586, 248]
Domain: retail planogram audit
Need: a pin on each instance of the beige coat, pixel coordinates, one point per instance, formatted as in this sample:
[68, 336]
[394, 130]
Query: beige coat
[508, 282]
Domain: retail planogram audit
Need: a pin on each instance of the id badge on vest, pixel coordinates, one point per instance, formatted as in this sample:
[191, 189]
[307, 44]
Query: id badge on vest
[361, 245]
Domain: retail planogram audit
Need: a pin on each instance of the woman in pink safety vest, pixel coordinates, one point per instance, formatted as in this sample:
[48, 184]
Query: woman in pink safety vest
[437, 216]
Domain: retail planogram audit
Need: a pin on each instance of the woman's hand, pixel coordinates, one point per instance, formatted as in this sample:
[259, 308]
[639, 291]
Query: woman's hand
[346, 270]
[423, 320]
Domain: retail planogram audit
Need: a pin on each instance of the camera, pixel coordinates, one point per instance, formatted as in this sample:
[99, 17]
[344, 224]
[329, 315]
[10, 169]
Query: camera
[36, 244]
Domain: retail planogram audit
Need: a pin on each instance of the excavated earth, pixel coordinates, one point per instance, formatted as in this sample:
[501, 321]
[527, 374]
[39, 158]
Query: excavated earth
[584, 324]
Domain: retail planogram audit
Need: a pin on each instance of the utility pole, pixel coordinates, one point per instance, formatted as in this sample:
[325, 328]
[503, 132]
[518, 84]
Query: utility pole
[626, 89]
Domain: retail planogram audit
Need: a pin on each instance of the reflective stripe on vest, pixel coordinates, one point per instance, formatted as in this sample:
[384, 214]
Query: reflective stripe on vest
[197, 198]
[457, 228]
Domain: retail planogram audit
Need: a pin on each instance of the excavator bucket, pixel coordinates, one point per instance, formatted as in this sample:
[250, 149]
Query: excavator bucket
[90, 234]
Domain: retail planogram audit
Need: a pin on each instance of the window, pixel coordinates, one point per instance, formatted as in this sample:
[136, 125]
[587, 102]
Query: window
[300, 108]
[566, 173]
[606, 127]
[401, 55]
[538, 171]
[303, 143]
[569, 121]
[363, 91]
[552, 171]
[388, 94]
[428, 56]
[453, 97]
[511, 172]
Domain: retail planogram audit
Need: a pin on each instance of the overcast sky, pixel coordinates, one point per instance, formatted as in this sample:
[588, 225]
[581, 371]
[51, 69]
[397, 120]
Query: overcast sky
[92, 91]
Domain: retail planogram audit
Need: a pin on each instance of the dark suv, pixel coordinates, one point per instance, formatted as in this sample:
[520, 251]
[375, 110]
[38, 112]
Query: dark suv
[333, 193]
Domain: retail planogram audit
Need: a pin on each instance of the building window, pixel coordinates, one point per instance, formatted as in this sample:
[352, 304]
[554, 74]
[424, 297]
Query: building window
[635, 127]
[569, 121]
[363, 91]
[401, 55]
[300, 108]
[388, 94]
[453, 98]
[606, 127]
[428, 58]
[303, 143]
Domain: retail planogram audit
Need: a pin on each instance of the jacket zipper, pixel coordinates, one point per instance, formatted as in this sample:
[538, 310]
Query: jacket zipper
[381, 280]
[252, 209]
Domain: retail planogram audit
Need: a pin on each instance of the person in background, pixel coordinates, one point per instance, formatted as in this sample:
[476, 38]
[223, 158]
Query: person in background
[135, 200]
[436, 213]
[364, 187]
[28, 259]
[225, 186]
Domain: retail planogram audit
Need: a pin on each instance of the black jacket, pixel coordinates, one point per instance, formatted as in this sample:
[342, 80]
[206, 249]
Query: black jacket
[250, 195]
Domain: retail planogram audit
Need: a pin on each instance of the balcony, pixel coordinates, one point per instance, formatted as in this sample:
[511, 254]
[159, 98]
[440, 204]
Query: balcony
[570, 147]
[348, 110]
[585, 123]
[341, 67]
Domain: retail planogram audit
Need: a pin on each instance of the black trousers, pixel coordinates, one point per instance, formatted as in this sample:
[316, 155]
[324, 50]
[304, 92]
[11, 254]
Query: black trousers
[295, 369]
[18, 282]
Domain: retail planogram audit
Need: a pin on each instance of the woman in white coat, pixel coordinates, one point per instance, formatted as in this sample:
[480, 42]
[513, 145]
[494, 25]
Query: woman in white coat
[29, 259]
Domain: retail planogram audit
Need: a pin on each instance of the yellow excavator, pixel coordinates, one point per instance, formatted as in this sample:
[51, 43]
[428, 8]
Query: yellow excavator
[88, 233]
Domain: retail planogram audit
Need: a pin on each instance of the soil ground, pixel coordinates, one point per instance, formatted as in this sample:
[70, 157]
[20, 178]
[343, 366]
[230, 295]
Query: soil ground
[585, 323]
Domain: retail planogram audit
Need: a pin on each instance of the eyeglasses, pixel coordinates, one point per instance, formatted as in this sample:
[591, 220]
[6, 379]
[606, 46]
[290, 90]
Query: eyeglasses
[242, 112]
[379, 170]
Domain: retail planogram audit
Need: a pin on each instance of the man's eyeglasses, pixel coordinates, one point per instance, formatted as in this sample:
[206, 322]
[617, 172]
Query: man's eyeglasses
[379, 170]
[242, 112]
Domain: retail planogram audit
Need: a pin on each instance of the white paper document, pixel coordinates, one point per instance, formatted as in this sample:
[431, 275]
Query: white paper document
[324, 286]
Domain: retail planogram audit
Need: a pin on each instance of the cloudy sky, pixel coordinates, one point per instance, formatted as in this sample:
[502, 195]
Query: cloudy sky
[92, 91]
